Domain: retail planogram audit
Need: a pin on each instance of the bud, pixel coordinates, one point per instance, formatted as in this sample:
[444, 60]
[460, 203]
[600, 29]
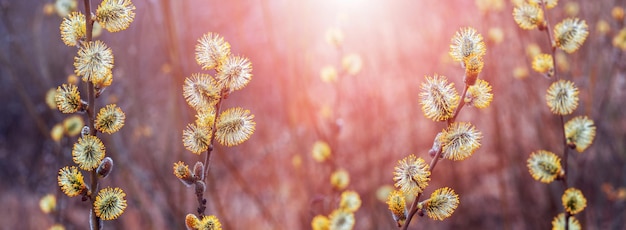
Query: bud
[198, 171]
[182, 172]
[106, 166]
[436, 146]
[200, 187]
[85, 131]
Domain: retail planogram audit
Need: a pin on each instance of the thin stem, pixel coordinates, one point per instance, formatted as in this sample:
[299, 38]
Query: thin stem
[95, 220]
[434, 161]
[207, 159]
[207, 156]
[551, 39]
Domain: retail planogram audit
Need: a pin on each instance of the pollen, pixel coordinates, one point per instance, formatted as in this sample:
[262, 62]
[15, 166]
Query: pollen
[580, 132]
[110, 119]
[235, 73]
[441, 204]
[544, 166]
[234, 126]
[71, 181]
[411, 175]
[94, 61]
[479, 95]
[438, 98]
[465, 43]
[558, 223]
[574, 201]
[73, 28]
[115, 15]
[459, 141]
[201, 91]
[562, 97]
[211, 51]
[196, 138]
[570, 34]
[341, 220]
[350, 201]
[544, 64]
[67, 99]
[528, 16]
[88, 152]
[110, 203]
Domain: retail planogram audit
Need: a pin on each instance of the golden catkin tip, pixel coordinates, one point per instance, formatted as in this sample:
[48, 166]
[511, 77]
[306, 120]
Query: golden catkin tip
[570, 34]
[110, 119]
[438, 98]
[544, 166]
[321, 151]
[465, 43]
[73, 125]
[528, 16]
[320, 222]
[88, 152]
[341, 220]
[441, 204]
[558, 223]
[580, 132]
[479, 95]
[201, 91]
[115, 15]
[562, 97]
[234, 73]
[574, 201]
[396, 203]
[67, 99]
[206, 223]
[459, 141]
[196, 138]
[64, 7]
[211, 51]
[48, 203]
[411, 175]
[110, 203]
[234, 126]
[350, 201]
[543, 63]
[73, 29]
[340, 179]
[71, 181]
[94, 61]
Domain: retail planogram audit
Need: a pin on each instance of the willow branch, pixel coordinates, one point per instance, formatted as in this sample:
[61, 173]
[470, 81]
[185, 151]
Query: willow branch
[434, 161]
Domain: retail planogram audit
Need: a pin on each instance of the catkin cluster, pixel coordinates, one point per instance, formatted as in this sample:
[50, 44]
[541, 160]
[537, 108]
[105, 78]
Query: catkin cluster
[205, 94]
[94, 63]
[562, 100]
[459, 140]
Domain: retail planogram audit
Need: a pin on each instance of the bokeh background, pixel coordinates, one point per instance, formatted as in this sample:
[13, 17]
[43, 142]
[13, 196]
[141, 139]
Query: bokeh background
[371, 119]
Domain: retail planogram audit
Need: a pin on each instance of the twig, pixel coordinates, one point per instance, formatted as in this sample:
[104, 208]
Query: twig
[434, 161]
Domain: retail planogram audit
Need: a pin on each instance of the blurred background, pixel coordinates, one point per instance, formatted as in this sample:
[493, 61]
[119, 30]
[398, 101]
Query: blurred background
[369, 114]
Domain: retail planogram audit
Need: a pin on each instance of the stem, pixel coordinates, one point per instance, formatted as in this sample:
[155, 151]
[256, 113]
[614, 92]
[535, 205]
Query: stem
[95, 220]
[551, 39]
[434, 161]
[556, 76]
[207, 157]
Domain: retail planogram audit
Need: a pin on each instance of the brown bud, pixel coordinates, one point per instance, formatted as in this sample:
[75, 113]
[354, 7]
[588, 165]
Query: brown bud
[200, 187]
[85, 131]
[198, 171]
[106, 166]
